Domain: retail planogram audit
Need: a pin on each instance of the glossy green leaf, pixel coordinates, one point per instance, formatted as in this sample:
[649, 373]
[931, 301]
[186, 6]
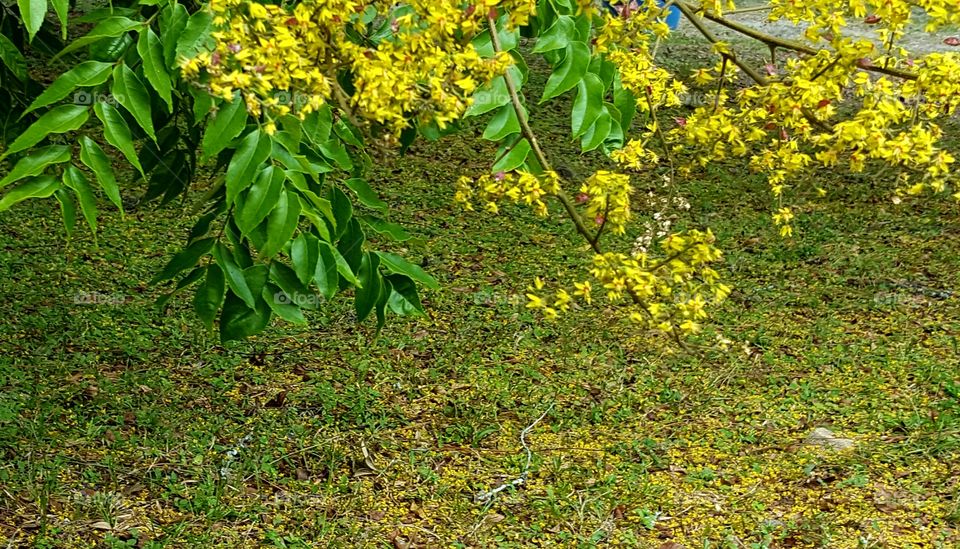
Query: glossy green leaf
[173, 20]
[13, 59]
[514, 158]
[561, 33]
[209, 297]
[396, 264]
[36, 162]
[288, 281]
[129, 91]
[342, 209]
[254, 204]
[330, 264]
[404, 299]
[233, 274]
[588, 104]
[117, 133]
[196, 35]
[32, 13]
[367, 196]
[61, 7]
[240, 321]
[370, 279]
[281, 223]
[150, 49]
[229, 121]
[39, 187]
[74, 178]
[88, 73]
[503, 124]
[111, 27]
[569, 72]
[68, 210]
[60, 119]
[385, 228]
[94, 158]
[253, 150]
[282, 305]
[597, 132]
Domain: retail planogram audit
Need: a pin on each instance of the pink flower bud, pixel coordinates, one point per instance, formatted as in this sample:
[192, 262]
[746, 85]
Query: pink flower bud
[582, 197]
[771, 69]
[872, 19]
[599, 220]
[952, 41]
[500, 176]
[681, 121]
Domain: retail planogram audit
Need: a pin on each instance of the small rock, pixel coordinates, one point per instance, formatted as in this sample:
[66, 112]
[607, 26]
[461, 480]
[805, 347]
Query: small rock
[826, 439]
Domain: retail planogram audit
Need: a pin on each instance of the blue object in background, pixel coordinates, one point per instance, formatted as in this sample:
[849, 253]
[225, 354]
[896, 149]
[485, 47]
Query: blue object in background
[673, 13]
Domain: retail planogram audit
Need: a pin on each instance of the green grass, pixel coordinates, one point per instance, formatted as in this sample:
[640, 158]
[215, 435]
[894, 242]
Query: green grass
[121, 426]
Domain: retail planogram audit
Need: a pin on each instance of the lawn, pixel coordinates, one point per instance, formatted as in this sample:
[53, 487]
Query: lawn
[125, 426]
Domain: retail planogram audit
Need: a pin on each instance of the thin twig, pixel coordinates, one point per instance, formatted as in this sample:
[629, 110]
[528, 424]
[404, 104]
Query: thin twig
[484, 497]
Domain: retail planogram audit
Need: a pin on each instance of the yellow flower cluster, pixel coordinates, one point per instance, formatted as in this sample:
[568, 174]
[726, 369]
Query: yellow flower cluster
[625, 42]
[790, 120]
[377, 60]
[606, 198]
[669, 293]
[519, 187]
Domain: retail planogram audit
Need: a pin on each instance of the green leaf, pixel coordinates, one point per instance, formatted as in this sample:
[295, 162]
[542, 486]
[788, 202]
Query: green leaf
[509, 39]
[229, 121]
[367, 196]
[569, 72]
[154, 67]
[281, 305]
[333, 149]
[117, 133]
[304, 251]
[240, 321]
[60, 119]
[35, 163]
[13, 59]
[563, 32]
[288, 281]
[369, 293]
[403, 298]
[61, 7]
[281, 223]
[188, 280]
[32, 13]
[40, 187]
[350, 244]
[129, 91]
[588, 105]
[234, 274]
[318, 125]
[252, 151]
[74, 178]
[111, 27]
[173, 19]
[342, 209]
[514, 158]
[386, 288]
[329, 264]
[88, 73]
[385, 228]
[68, 210]
[196, 35]
[503, 123]
[185, 259]
[255, 203]
[597, 132]
[493, 94]
[396, 264]
[209, 296]
[605, 70]
[94, 158]
[626, 104]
